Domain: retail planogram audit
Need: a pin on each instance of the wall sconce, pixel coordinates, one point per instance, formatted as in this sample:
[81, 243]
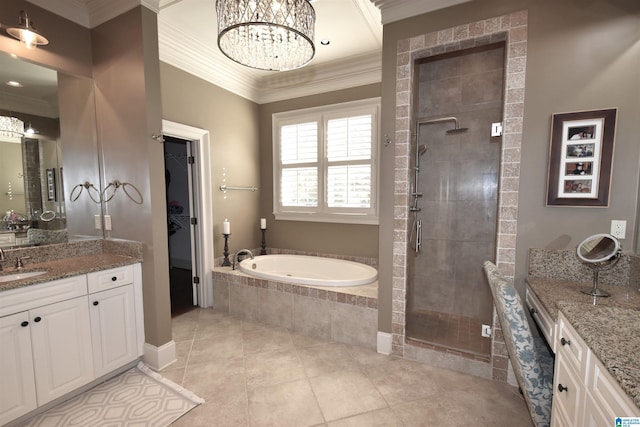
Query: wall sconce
[26, 32]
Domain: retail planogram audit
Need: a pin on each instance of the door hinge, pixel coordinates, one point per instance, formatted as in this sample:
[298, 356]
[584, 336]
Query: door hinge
[194, 221]
[191, 160]
[196, 280]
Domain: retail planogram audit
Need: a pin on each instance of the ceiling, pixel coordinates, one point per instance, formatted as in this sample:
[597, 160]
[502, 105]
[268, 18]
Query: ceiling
[187, 39]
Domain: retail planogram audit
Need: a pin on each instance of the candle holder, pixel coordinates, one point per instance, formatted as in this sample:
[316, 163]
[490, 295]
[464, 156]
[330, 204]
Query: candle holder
[263, 251]
[226, 262]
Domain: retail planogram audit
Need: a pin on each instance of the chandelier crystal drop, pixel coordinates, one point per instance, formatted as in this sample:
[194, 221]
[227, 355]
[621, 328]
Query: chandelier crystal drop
[274, 35]
[11, 127]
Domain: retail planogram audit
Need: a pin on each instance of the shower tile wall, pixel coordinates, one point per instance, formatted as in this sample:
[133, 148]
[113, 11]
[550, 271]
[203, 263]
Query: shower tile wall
[459, 181]
[511, 28]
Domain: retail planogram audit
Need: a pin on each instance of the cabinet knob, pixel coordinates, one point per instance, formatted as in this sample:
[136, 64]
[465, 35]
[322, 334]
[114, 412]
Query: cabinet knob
[565, 342]
[24, 324]
[37, 319]
[114, 278]
[562, 388]
[96, 303]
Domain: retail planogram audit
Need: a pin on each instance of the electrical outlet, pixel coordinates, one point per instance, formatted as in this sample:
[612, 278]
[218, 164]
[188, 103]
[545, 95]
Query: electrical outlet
[486, 331]
[618, 229]
[107, 222]
[97, 221]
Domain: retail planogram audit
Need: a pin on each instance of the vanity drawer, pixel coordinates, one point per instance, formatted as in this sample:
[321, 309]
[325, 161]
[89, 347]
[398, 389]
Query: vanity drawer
[542, 318]
[28, 297]
[109, 279]
[571, 345]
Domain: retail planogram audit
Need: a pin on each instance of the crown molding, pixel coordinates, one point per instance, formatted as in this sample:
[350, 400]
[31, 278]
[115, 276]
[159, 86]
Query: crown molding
[189, 54]
[312, 80]
[396, 10]
[26, 105]
[91, 13]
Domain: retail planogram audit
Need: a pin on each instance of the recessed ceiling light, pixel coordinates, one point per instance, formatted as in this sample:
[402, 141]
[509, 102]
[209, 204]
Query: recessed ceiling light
[14, 83]
[325, 42]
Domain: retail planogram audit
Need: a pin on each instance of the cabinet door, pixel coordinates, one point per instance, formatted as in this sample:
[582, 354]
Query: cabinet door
[593, 414]
[62, 355]
[113, 328]
[568, 394]
[17, 389]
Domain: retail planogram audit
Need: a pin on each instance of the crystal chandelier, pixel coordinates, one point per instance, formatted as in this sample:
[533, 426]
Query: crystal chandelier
[273, 35]
[11, 127]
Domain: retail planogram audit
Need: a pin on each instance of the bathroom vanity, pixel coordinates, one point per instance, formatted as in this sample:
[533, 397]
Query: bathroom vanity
[75, 325]
[596, 342]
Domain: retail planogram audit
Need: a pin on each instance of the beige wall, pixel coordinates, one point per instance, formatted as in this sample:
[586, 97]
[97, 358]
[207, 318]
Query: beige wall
[341, 239]
[581, 56]
[233, 125]
[127, 82]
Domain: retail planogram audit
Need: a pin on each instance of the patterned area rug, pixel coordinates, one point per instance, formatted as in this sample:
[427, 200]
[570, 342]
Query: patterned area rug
[138, 397]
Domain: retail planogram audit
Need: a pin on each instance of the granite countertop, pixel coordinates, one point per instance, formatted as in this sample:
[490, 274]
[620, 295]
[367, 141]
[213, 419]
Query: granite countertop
[609, 326]
[66, 267]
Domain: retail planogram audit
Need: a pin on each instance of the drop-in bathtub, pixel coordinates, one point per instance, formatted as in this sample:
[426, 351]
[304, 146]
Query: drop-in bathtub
[309, 270]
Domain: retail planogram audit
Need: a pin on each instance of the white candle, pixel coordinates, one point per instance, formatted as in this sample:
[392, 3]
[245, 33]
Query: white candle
[226, 227]
[263, 223]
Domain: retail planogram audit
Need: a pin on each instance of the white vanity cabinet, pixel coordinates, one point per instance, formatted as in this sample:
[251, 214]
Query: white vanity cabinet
[584, 393]
[542, 318]
[58, 336]
[113, 318]
[44, 344]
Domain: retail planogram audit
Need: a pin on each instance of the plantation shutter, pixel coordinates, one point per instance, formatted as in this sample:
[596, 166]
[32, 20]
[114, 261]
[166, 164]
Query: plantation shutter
[299, 165]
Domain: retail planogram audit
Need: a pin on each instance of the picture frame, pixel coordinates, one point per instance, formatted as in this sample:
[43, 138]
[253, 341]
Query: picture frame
[51, 184]
[581, 158]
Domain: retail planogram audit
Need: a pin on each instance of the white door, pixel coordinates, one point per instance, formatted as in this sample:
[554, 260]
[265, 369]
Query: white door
[61, 340]
[113, 328]
[17, 389]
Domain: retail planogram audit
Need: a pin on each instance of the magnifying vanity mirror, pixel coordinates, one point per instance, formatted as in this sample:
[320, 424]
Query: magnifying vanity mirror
[55, 118]
[600, 252]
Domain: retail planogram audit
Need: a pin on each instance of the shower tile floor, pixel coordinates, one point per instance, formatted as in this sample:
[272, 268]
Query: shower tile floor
[253, 375]
[447, 332]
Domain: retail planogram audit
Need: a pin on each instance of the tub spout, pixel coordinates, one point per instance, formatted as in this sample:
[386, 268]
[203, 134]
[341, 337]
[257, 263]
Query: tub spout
[237, 255]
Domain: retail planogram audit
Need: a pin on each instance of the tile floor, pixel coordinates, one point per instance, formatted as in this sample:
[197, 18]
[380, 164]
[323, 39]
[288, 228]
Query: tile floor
[254, 375]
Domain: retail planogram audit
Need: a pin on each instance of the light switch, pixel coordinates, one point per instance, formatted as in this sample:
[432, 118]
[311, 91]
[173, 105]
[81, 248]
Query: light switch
[97, 222]
[107, 222]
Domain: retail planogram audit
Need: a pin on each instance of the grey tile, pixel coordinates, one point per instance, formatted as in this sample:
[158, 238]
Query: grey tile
[265, 340]
[354, 325]
[276, 308]
[312, 316]
[345, 393]
[326, 358]
[379, 418]
[273, 368]
[286, 404]
[223, 347]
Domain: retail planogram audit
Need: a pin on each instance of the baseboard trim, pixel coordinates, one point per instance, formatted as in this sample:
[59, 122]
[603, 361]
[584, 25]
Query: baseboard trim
[384, 343]
[158, 358]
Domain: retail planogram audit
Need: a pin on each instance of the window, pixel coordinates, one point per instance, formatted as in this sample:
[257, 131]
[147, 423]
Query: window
[325, 163]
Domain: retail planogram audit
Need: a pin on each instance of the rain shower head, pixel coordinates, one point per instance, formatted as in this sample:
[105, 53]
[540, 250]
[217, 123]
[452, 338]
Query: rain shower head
[456, 130]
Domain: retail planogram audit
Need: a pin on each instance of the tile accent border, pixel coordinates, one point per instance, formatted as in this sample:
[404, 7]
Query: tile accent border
[511, 28]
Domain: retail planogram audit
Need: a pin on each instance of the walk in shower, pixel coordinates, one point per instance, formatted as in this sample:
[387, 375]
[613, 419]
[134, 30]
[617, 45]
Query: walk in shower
[453, 197]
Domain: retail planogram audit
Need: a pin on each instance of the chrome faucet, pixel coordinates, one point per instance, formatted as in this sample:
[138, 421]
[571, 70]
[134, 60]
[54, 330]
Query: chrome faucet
[2, 258]
[240, 252]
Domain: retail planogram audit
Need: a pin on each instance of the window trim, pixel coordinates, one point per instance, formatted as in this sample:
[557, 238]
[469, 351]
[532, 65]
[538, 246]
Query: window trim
[321, 115]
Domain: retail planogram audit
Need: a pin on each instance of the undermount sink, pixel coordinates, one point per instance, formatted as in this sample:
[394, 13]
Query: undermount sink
[20, 276]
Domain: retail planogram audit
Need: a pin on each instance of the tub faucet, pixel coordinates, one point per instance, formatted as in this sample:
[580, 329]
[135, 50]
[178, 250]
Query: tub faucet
[240, 252]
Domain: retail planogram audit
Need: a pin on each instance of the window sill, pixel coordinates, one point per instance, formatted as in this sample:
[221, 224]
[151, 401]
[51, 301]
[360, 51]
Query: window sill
[329, 218]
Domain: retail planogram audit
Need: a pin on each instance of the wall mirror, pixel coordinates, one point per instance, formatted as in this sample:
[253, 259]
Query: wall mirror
[39, 169]
[600, 252]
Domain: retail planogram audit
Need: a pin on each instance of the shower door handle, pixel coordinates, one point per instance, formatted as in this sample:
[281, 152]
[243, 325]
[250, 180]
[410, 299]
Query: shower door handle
[418, 235]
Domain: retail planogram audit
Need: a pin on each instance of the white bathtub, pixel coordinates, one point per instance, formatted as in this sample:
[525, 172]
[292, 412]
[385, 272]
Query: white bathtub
[309, 270]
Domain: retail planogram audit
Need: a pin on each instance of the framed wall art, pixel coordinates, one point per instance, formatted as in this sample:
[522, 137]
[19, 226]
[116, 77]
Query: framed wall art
[581, 158]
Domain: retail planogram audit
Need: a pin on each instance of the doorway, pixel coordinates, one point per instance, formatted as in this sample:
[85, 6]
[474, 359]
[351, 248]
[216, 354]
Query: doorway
[187, 162]
[181, 224]
[454, 198]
